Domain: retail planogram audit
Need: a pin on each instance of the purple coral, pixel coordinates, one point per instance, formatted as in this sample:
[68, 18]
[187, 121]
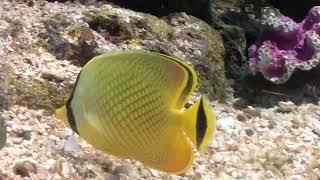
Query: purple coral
[285, 45]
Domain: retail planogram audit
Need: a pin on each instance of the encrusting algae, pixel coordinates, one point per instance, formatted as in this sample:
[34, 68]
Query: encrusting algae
[131, 104]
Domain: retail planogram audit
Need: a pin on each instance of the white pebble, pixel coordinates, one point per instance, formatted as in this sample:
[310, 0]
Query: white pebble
[225, 123]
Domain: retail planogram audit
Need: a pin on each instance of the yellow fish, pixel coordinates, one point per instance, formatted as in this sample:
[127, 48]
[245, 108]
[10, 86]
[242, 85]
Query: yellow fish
[131, 104]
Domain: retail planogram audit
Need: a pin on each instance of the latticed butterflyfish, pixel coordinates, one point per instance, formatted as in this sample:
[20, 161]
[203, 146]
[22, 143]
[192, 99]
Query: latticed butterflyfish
[130, 104]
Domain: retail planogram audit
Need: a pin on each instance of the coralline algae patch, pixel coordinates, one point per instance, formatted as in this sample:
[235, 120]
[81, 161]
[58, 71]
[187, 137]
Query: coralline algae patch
[284, 46]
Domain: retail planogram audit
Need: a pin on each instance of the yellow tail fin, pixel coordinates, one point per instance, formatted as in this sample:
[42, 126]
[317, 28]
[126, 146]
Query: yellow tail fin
[199, 123]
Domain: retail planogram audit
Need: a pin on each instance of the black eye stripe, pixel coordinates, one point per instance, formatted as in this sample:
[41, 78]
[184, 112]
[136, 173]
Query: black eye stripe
[201, 124]
[71, 119]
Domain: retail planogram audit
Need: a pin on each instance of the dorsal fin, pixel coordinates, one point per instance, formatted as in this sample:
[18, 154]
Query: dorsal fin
[191, 81]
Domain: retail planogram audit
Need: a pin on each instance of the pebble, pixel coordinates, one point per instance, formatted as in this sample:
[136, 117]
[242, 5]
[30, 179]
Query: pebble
[66, 169]
[267, 114]
[306, 137]
[128, 170]
[312, 122]
[25, 168]
[295, 177]
[144, 172]
[272, 124]
[291, 145]
[314, 162]
[71, 146]
[242, 117]
[286, 107]
[21, 117]
[225, 123]
[249, 132]
[216, 158]
[234, 174]
[269, 174]
[240, 102]
[56, 165]
[53, 76]
[255, 112]
[298, 122]
[155, 173]
[236, 134]
[222, 175]
[277, 157]
[114, 177]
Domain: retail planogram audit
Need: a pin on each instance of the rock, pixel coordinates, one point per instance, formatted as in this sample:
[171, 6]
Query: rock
[294, 8]
[5, 71]
[292, 145]
[115, 177]
[251, 111]
[242, 117]
[178, 35]
[314, 162]
[240, 102]
[296, 177]
[144, 173]
[298, 122]
[71, 146]
[225, 123]
[249, 132]
[35, 95]
[56, 165]
[66, 170]
[269, 174]
[128, 170]
[267, 114]
[268, 55]
[25, 168]
[107, 165]
[25, 135]
[155, 173]
[307, 136]
[286, 107]
[4, 98]
[3, 133]
[237, 29]
[271, 170]
[200, 9]
[312, 122]
[277, 157]
[222, 175]
[216, 158]
[272, 124]
[53, 76]
[235, 45]
[89, 172]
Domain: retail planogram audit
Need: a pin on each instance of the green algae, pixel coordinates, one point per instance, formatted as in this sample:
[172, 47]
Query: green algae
[39, 95]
